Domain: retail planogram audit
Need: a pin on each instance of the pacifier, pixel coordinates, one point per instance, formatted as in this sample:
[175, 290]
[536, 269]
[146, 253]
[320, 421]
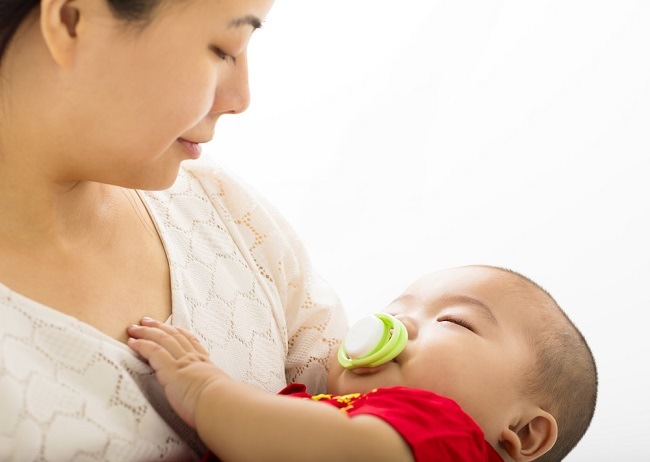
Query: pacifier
[372, 341]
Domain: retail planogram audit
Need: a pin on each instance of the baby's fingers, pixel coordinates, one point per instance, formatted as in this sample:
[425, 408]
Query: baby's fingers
[159, 358]
[166, 336]
[194, 341]
[184, 337]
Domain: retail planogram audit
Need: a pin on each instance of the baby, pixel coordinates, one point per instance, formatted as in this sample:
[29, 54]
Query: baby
[493, 370]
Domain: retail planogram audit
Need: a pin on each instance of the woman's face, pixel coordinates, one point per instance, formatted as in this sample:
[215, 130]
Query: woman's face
[137, 100]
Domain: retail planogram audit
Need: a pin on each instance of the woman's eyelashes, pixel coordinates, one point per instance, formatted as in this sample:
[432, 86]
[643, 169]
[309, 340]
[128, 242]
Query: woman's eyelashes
[222, 54]
[456, 320]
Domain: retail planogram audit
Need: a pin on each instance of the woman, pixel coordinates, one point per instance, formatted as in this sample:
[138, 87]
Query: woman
[100, 101]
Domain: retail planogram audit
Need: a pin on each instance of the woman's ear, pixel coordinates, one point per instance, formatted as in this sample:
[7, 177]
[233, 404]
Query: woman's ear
[59, 21]
[531, 438]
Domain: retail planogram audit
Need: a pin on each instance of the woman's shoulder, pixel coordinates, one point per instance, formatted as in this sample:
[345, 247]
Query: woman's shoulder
[214, 177]
[211, 185]
[205, 187]
[236, 201]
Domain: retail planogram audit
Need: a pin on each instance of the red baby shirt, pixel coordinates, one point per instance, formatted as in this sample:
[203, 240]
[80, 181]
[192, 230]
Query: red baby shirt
[435, 427]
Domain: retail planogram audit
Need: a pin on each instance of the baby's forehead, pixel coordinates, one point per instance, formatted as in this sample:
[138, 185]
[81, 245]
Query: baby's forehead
[504, 291]
[481, 278]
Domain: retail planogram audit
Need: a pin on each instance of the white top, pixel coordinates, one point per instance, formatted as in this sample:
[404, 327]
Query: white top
[241, 281]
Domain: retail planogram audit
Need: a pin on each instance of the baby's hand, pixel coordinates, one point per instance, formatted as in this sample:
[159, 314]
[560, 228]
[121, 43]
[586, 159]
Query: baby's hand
[182, 365]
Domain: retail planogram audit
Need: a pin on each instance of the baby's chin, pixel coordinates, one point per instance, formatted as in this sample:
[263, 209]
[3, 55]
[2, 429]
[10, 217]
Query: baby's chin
[343, 381]
[345, 387]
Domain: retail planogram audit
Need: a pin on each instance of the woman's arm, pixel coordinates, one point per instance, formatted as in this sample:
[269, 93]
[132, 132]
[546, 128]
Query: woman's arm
[239, 422]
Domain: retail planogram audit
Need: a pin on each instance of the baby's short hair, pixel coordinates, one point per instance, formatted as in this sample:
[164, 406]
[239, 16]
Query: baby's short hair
[563, 379]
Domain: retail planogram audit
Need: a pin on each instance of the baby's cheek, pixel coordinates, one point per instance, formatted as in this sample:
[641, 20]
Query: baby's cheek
[333, 360]
[335, 372]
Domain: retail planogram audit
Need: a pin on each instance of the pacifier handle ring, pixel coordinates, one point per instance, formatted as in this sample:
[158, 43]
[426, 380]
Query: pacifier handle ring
[383, 354]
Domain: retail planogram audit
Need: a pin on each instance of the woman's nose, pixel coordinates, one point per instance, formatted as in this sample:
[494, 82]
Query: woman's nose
[233, 95]
[410, 323]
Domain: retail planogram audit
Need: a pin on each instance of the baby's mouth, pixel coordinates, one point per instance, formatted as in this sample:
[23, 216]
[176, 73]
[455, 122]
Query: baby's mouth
[371, 370]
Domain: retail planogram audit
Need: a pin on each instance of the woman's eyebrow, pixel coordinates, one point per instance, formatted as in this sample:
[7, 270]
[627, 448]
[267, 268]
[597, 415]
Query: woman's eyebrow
[249, 20]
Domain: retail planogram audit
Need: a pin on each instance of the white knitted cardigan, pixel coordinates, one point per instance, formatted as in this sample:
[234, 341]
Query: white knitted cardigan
[241, 281]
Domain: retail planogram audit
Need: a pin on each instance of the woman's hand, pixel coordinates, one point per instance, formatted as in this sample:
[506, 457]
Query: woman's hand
[182, 365]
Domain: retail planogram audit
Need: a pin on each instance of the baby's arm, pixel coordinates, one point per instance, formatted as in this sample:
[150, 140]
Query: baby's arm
[239, 422]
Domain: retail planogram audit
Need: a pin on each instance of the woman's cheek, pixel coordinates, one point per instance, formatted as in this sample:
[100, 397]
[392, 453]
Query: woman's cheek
[200, 96]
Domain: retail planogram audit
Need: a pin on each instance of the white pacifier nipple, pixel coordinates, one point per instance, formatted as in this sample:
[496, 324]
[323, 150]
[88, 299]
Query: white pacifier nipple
[373, 341]
[364, 337]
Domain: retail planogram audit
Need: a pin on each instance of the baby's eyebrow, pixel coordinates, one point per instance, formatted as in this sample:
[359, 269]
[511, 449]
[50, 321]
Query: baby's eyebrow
[455, 299]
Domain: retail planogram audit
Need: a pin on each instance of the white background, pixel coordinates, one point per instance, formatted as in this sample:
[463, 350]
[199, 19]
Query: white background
[403, 137]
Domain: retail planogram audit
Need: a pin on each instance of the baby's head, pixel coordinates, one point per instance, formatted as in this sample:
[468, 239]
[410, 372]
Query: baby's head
[500, 346]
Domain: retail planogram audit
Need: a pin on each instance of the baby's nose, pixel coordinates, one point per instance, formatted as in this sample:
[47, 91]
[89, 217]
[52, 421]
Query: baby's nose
[410, 323]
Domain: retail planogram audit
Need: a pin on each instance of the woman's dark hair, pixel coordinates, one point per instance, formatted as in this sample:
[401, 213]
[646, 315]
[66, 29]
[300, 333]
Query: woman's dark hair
[14, 12]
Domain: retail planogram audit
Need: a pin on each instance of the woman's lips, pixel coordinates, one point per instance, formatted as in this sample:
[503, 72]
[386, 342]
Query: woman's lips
[193, 149]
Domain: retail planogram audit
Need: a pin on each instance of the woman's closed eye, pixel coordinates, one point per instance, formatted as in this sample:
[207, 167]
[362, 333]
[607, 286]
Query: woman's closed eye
[456, 320]
[222, 54]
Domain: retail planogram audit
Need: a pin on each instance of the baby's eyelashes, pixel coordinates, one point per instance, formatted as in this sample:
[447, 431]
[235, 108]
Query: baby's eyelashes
[456, 320]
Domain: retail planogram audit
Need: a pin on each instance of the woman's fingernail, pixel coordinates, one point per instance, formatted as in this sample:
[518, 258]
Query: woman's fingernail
[147, 319]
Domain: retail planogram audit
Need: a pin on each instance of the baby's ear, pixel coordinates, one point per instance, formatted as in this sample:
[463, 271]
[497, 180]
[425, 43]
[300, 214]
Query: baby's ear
[531, 438]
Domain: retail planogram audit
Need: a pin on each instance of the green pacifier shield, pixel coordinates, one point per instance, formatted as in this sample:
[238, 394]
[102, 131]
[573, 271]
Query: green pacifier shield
[373, 341]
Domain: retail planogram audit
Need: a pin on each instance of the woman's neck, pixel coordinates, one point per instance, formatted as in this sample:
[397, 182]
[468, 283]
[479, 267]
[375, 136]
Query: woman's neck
[37, 211]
